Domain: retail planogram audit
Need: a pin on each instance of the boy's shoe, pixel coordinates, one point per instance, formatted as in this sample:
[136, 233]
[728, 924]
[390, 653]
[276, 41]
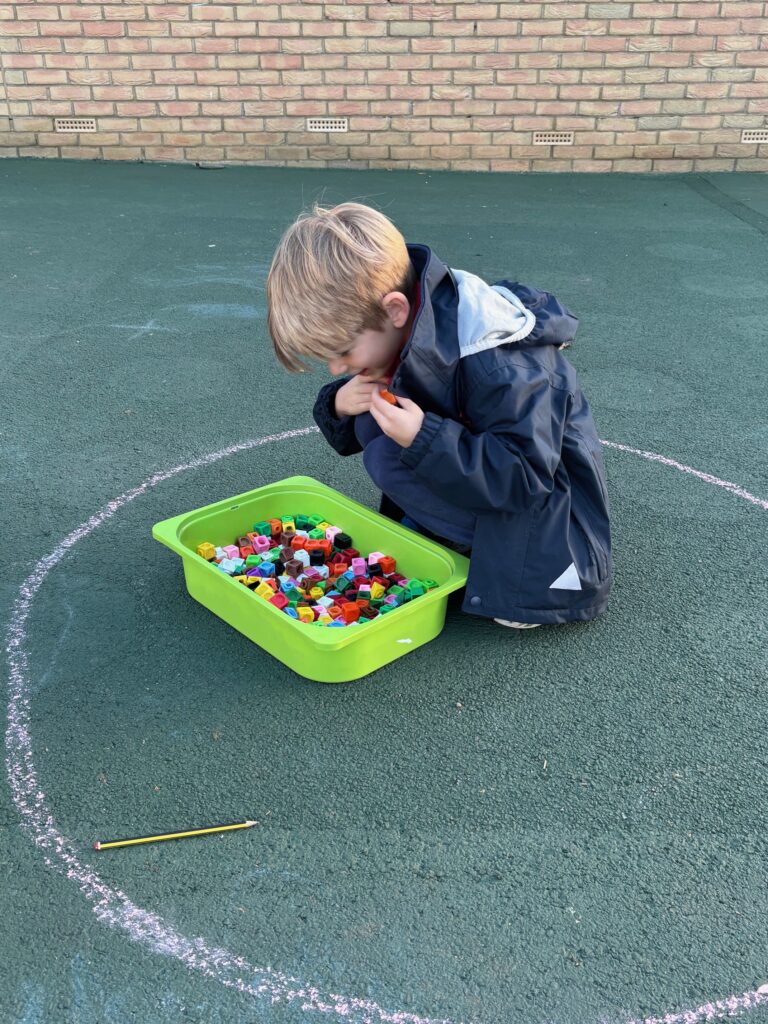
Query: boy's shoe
[518, 625]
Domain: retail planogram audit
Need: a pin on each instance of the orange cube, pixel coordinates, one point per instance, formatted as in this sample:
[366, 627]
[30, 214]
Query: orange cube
[350, 612]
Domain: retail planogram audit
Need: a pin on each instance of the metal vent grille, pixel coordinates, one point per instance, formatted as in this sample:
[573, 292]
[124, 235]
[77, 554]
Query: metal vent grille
[553, 138]
[327, 124]
[75, 124]
[754, 135]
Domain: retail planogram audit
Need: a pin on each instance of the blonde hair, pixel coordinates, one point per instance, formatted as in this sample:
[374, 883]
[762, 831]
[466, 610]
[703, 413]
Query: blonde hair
[331, 269]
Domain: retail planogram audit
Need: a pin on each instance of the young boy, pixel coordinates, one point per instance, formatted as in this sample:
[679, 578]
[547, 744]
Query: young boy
[491, 444]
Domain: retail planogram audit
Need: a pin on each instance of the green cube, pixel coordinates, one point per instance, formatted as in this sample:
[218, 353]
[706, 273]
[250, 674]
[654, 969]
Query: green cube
[262, 528]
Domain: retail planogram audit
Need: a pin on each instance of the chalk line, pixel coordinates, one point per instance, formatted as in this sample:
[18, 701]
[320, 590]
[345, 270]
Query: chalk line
[706, 477]
[113, 907]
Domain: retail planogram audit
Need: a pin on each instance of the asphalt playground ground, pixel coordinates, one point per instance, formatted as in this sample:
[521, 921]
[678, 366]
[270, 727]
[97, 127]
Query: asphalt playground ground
[559, 826]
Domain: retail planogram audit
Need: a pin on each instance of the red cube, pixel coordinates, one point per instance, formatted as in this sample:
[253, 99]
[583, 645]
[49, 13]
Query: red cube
[350, 612]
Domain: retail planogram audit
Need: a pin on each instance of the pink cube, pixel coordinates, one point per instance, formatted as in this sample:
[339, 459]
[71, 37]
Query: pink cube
[230, 551]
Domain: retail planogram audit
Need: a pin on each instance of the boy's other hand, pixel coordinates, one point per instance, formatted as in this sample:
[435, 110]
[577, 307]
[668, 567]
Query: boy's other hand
[401, 422]
[354, 397]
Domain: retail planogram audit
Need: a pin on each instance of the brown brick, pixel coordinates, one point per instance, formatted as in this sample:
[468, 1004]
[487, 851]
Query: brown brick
[693, 43]
[113, 92]
[674, 26]
[81, 13]
[136, 109]
[212, 12]
[168, 12]
[335, 12]
[586, 28]
[103, 29]
[164, 154]
[190, 30]
[121, 12]
[738, 42]
[58, 29]
[127, 153]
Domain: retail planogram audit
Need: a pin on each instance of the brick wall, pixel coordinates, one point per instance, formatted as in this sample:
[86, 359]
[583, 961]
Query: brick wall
[662, 86]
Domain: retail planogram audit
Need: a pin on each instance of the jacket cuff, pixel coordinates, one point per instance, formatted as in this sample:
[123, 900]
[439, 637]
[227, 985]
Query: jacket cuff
[339, 431]
[421, 444]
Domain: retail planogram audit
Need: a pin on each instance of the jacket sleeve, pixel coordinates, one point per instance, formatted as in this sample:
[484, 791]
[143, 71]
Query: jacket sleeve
[554, 321]
[508, 461]
[339, 431]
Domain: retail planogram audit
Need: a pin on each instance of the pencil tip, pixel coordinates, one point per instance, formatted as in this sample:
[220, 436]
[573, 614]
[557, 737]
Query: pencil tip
[251, 823]
[97, 846]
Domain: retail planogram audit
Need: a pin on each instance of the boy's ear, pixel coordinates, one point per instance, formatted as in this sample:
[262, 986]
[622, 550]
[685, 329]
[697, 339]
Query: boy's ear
[397, 308]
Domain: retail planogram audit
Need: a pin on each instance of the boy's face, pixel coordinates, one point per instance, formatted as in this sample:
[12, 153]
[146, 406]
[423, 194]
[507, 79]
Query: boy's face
[374, 352]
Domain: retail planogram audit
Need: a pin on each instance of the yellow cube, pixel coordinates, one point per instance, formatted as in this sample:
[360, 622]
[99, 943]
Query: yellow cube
[242, 579]
[306, 614]
[207, 551]
[323, 526]
[264, 590]
[316, 592]
[377, 591]
[288, 523]
[324, 619]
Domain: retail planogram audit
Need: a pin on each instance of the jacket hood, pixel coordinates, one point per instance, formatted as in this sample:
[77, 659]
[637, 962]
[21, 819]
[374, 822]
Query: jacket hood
[482, 315]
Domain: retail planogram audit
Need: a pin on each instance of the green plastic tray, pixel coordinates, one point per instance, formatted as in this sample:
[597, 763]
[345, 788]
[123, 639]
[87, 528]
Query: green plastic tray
[328, 655]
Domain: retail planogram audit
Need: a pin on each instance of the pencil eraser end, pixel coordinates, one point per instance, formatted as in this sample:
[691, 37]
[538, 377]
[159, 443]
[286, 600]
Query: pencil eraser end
[97, 846]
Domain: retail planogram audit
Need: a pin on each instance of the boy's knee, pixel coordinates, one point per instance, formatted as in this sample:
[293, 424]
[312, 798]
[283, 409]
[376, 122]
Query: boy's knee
[381, 458]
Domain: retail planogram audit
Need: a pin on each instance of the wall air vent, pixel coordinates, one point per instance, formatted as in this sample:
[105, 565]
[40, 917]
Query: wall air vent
[327, 124]
[755, 135]
[553, 138]
[75, 124]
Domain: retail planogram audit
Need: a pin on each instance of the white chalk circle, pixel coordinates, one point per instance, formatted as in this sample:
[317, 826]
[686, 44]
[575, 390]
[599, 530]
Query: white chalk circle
[113, 907]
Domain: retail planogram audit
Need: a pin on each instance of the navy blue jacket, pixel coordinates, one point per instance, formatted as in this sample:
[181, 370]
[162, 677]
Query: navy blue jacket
[507, 435]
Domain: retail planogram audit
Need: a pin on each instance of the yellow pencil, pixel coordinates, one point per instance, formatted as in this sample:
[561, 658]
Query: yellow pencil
[174, 835]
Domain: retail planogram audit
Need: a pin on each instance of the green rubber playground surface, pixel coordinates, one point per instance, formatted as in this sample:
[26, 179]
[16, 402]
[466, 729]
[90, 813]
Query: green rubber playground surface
[559, 826]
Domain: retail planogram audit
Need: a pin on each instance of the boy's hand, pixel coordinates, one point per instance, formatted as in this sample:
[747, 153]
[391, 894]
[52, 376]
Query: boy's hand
[355, 396]
[401, 422]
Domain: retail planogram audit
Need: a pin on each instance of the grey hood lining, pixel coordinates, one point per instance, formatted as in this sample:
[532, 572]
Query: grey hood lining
[488, 315]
